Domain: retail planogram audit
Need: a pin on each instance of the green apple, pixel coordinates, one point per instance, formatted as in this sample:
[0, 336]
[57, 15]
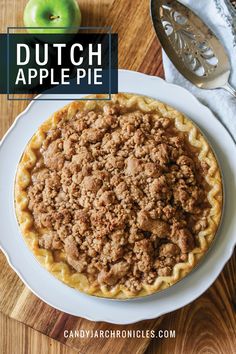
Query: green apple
[51, 14]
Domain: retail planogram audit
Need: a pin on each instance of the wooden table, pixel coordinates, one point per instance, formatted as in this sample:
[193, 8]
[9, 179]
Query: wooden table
[205, 326]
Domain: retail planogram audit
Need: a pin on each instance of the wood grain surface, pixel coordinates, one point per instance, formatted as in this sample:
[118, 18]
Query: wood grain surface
[17, 338]
[205, 326]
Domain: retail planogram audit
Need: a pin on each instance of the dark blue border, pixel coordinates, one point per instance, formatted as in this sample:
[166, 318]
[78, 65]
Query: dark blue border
[108, 31]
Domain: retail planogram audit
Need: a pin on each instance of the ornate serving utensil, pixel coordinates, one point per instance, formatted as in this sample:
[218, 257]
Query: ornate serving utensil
[190, 44]
[233, 3]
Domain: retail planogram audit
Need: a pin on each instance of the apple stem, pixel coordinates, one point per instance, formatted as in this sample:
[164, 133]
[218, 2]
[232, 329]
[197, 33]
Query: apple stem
[52, 17]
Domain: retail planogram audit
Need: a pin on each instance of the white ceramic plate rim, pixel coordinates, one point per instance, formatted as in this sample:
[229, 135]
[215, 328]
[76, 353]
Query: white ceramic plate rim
[58, 295]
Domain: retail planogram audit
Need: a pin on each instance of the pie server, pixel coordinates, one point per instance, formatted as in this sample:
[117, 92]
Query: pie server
[191, 46]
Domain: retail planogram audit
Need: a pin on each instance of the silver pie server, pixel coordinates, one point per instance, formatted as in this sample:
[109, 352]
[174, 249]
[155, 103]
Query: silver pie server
[191, 45]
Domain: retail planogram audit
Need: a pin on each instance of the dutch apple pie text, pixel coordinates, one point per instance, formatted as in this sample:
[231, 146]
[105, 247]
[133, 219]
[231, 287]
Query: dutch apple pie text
[34, 63]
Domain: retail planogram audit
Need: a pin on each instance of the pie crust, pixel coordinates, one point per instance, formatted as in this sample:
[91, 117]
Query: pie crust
[58, 266]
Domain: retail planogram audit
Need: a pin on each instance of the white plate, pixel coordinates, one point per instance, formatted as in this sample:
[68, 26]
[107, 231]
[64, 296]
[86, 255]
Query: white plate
[60, 296]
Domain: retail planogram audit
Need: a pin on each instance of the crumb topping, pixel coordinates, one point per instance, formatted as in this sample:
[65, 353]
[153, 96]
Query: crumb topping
[120, 192]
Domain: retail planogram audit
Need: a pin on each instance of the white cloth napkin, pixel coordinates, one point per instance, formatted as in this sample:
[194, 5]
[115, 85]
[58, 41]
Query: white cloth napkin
[216, 14]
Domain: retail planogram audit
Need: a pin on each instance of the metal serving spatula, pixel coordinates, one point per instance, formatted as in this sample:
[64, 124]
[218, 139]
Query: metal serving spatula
[192, 47]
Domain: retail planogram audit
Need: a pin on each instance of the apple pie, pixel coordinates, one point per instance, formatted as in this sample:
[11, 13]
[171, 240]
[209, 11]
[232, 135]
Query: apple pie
[118, 198]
